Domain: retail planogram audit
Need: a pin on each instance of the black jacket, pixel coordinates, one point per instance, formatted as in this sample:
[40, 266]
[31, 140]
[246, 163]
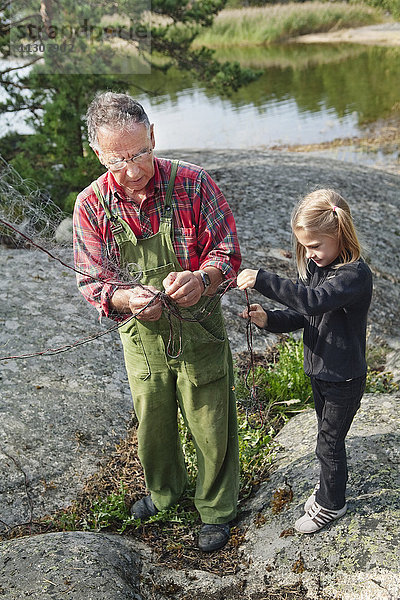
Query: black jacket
[332, 307]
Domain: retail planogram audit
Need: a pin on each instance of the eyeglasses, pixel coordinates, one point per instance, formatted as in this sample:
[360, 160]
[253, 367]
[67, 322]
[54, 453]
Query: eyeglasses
[136, 160]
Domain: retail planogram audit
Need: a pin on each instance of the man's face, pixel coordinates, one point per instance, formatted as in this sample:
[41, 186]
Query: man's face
[122, 145]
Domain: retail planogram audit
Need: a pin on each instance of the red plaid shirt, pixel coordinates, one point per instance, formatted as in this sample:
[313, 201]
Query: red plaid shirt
[204, 228]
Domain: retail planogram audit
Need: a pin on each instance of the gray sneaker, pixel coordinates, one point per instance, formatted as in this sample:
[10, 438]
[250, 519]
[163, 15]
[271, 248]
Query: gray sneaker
[144, 508]
[213, 536]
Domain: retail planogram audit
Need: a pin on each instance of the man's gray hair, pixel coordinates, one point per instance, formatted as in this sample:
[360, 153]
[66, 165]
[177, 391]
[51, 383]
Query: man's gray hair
[113, 110]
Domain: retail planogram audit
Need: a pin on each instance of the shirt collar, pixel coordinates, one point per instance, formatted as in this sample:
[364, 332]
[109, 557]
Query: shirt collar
[156, 180]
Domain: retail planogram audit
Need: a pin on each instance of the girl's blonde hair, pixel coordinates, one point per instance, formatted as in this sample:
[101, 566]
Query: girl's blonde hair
[325, 212]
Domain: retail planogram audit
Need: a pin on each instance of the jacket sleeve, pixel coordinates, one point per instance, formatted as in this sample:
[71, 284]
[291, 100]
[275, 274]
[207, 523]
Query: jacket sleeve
[342, 287]
[284, 321]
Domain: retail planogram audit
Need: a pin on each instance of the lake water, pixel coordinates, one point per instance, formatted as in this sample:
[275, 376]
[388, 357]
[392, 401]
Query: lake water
[13, 121]
[306, 94]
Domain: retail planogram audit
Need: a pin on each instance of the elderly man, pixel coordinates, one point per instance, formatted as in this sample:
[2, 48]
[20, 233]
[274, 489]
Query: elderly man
[168, 226]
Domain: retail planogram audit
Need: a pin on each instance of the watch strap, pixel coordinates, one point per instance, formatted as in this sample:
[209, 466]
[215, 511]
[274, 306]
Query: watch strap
[205, 278]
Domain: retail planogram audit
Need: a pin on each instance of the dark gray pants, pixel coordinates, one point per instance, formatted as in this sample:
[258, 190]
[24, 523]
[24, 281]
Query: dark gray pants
[336, 403]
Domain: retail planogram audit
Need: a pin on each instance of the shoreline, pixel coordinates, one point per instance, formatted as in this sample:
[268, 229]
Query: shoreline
[385, 34]
[379, 148]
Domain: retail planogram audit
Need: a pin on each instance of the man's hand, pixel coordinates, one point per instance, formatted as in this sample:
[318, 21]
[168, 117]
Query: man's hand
[185, 287]
[139, 298]
[258, 316]
[134, 301]
[247, 279]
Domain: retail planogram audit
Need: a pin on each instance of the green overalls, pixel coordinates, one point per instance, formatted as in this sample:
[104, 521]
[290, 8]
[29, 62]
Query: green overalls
[199, 379]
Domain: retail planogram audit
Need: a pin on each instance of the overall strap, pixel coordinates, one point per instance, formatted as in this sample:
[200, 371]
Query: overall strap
[120, 229]
[102, 201]
[170, 188]
[166, 222]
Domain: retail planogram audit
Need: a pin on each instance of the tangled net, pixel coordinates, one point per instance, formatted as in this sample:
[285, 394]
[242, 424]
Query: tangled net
[30, 220]
[26, 213]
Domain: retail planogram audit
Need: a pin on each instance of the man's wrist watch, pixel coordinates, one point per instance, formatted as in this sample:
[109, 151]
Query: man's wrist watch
[205, 278]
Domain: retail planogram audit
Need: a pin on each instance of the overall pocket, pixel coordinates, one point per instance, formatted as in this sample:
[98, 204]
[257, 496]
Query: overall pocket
[136, 361]
[205, 349]
[142, 340]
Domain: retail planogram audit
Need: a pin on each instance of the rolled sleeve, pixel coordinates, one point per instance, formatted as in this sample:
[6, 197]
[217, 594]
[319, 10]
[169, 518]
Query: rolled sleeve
[96, 279]
[217, 237]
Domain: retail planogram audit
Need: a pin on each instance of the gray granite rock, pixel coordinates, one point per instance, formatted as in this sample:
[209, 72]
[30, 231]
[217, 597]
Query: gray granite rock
[63, 233]
[62, 414]
[357, 556]
[80, 565]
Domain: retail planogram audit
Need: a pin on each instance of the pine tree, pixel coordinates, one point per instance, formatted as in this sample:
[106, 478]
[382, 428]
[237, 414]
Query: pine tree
[76, 49]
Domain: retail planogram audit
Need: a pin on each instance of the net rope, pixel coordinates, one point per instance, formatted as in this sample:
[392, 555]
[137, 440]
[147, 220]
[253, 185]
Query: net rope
[29, 220]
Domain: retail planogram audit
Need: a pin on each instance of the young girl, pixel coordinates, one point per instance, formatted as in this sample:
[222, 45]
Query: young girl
[330, 301]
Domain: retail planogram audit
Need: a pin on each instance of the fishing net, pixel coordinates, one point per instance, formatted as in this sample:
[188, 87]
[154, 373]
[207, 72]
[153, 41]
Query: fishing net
[38, 236]
[38, 272]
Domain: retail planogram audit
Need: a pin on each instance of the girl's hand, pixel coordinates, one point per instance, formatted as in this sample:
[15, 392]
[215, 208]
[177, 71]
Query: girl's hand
[258, 316]
[246, 279]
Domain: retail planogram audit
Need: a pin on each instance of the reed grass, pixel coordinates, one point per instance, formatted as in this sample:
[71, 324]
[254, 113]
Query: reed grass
[265, 25]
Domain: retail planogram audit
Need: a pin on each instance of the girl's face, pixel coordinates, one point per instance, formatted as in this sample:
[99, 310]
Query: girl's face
[322, 249]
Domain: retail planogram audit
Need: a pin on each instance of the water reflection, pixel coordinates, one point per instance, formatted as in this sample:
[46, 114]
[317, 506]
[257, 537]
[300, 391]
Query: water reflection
[307, 94]
[196, 121]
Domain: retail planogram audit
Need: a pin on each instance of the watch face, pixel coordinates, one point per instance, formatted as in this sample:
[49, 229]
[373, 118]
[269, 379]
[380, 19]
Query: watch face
[206, 279]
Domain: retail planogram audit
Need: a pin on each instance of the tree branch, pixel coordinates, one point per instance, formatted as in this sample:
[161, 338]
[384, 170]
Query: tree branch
[35, 15]
[20, 66]
[29, 107]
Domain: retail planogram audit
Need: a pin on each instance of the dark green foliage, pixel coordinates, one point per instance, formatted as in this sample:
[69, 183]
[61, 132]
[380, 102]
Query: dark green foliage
[55, 156]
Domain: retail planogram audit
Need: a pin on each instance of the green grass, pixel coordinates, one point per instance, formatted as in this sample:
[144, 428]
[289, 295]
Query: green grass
[279, 22]
[283, 390]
